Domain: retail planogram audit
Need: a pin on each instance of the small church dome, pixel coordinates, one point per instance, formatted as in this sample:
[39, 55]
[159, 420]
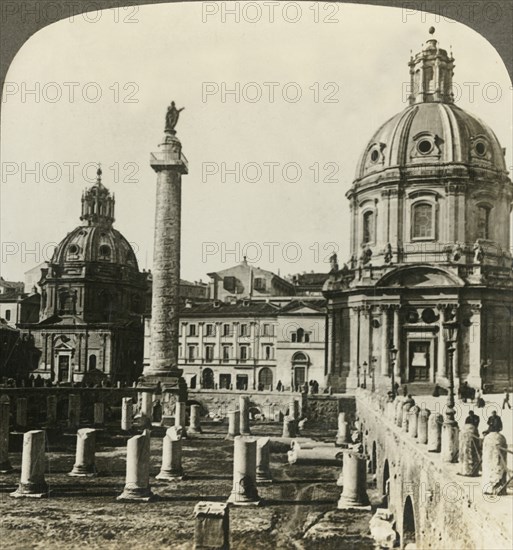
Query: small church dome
[96, 240]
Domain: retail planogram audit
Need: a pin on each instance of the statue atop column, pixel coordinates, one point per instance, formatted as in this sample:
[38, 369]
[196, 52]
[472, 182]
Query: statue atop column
[172, 116]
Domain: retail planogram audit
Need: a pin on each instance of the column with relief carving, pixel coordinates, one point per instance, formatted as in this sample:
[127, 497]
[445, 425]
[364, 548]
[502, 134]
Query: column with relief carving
[170, 164]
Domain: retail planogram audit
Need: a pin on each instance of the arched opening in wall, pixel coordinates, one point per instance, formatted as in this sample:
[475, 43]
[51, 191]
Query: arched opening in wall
[207, 379]
[408, 524]
[386, 485]
[92, 361]
[265, 379]
[374, 458]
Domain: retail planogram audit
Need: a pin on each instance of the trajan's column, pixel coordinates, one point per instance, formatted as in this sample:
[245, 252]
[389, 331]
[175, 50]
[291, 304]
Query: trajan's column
[170, 164]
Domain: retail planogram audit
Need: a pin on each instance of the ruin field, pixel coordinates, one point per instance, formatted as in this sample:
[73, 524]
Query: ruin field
[298, 510]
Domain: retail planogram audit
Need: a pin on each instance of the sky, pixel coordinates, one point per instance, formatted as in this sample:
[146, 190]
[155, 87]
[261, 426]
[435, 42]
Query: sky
[308, 90]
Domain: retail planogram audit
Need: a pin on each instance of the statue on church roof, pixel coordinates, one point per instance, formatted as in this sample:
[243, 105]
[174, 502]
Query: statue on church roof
[478, 252]
[172, 116]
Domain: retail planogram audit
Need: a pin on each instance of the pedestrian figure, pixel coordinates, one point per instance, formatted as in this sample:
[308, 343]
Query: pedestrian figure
[472, 419]
[479, 400]
[494, 423]
[506, 402]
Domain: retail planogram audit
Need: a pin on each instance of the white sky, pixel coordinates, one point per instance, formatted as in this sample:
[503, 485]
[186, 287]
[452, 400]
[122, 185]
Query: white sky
[167, 54]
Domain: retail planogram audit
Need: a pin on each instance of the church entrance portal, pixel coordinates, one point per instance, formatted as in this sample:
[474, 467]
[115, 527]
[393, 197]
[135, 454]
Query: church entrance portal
[419, 360]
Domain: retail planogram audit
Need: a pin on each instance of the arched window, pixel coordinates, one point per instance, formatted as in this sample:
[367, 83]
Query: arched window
[268, 352]
[104, 252]
[92, 362]
[368, 227]
[265, 378]
[429, 80]
[423, 226]
[483, 221]
[207, 379]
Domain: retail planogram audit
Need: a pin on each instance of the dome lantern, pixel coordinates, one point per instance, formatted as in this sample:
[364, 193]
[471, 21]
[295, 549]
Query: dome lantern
[97, 203]
[431, 72]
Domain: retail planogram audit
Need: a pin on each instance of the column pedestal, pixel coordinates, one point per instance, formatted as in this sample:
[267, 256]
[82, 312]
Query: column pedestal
[354, 473]
[137, 486]
[85, 456]
[244, 492]
[33, 463]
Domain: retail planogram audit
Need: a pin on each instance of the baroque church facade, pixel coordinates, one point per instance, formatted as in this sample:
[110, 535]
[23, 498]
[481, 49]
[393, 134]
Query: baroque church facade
[430, 243]
[92, 301]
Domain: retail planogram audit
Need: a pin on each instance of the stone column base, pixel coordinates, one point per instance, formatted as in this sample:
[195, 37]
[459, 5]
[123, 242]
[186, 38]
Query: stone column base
[31, 490]
[264, 477]
[345, 503]
[242, 500]
[83, 471]
[136, 494]
[171, 475]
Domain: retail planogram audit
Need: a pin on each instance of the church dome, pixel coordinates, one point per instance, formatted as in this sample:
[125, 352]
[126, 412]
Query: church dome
[95, 244]
[95, 240]
[432, 133]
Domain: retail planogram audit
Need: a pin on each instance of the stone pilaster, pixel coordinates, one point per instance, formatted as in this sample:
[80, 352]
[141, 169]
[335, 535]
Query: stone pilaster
[384, 341]
[397, 344]
[219, 347]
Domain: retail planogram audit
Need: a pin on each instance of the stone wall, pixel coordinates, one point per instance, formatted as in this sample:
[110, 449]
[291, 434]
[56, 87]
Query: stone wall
[36, 397]
[450, 511]
[318, 408]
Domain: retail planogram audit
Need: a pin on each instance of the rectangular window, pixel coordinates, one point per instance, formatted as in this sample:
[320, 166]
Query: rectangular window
[7, 314]
[244, 330]
[229, 284]
[226, 353]
[209, 354]
[266, 330]
[192, 353]
[243, 353]
[210, 330]
[192, 330]
[225, 381]
[259, 284]
[226, 329]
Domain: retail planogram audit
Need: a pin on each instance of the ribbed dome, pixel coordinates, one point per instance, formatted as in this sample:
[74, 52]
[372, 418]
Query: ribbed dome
[432, 134]
[95, 243]
[96, 240]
